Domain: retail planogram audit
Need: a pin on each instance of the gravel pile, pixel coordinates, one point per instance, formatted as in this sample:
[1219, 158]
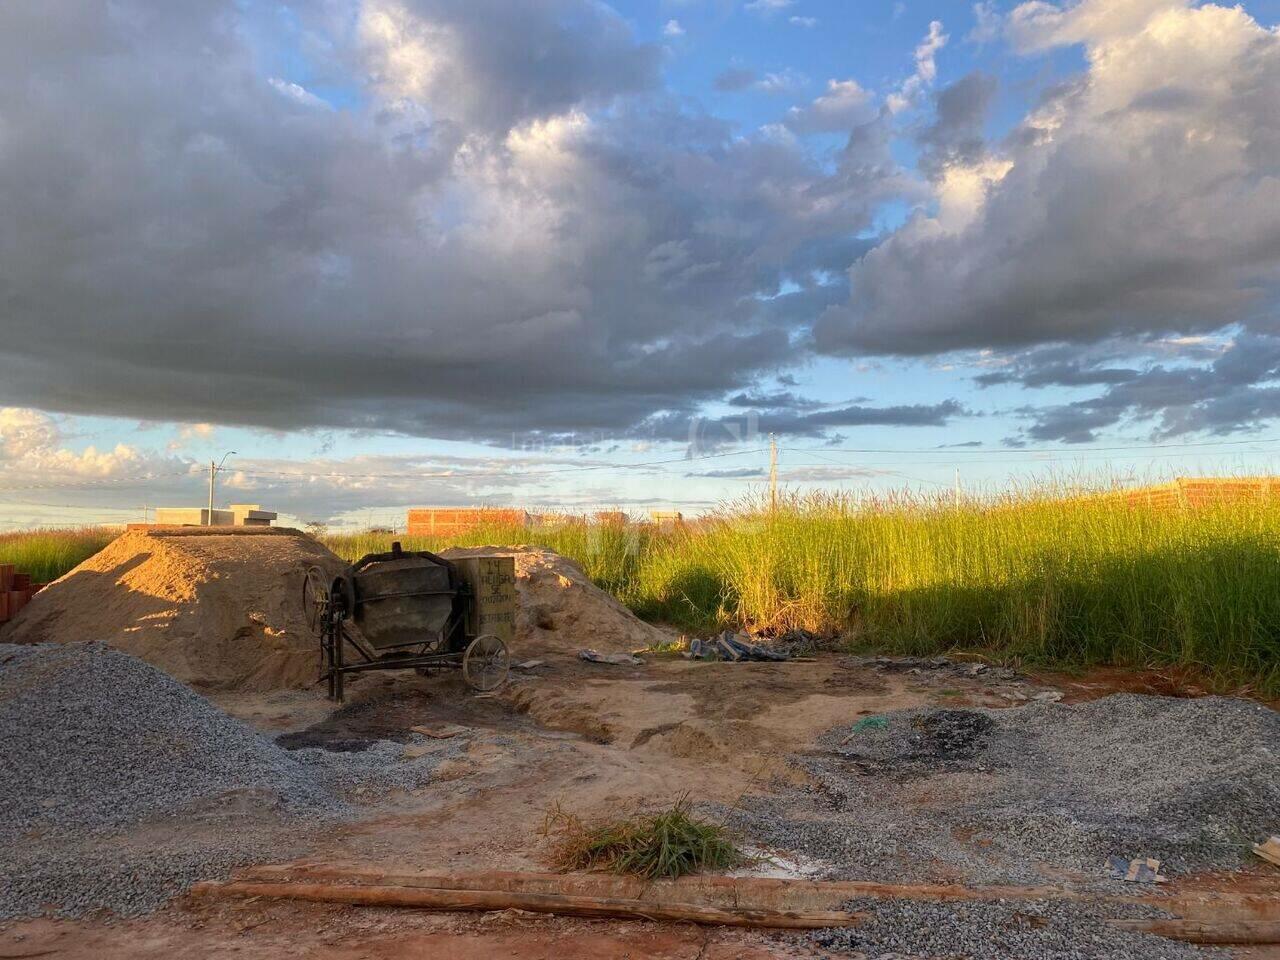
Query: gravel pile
[1027, 930]
[122, 786]
[992, 795]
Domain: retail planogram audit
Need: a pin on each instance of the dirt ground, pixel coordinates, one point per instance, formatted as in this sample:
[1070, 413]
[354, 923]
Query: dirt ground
[600, 740]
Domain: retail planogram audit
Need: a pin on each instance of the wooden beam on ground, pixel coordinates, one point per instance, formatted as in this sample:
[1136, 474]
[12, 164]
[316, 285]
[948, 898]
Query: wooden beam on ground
[1238, 932]
[768, 893]
[759, 892]
[424, 898]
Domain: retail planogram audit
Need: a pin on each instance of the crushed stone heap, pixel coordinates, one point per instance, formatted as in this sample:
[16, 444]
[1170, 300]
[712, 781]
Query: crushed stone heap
[1004, 795]
[122, 786]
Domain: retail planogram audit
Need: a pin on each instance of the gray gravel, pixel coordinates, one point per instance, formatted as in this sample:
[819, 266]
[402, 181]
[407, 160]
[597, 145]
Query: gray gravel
[1026, 930]
[122, 786]
[991, 795]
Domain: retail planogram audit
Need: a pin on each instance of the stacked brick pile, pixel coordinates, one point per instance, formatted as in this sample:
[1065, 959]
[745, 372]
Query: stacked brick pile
[450, 521]
[16, 590]
[1206, 492]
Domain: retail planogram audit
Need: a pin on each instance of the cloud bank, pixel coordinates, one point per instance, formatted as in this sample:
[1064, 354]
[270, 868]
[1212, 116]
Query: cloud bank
[468, 220]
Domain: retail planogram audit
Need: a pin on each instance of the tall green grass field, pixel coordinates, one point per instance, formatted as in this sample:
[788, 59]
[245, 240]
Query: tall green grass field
[1049, 581]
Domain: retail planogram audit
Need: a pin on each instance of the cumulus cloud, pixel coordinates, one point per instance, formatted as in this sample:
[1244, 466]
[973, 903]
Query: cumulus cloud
[512, 228]
[844, 105]
[493, 64]
[33, 449]
[1137, 200]
[955, 137]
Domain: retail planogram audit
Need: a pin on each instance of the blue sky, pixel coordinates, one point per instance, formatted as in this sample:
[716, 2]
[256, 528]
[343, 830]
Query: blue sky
[573, 255]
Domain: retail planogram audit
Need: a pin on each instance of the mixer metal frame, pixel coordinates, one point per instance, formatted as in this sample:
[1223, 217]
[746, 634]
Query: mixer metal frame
[330, 604]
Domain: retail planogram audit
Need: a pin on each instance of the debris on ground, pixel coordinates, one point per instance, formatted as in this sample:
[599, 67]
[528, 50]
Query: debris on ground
[1000, 930]
[932, 667]
[797, 642]
[1006, 795]
[866, 723]
[1141, 870]
[528, 664]
[559, 606]
[732, 647]
[617, 659]
[219, 610]
[445, 732]
[122, 786]
[1269, 851]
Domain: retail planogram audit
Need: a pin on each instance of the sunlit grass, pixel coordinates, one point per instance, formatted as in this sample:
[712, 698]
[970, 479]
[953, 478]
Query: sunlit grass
[1049, 577]
[48, 554]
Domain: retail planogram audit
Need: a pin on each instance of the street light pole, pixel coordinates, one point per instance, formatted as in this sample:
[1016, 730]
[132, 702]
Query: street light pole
[213, 472]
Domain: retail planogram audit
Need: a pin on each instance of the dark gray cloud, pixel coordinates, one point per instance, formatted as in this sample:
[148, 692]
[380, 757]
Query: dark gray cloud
[738, 473]
[733, 79]
[476, 253]
[960, 115]
[1234, 392]
[795, 419]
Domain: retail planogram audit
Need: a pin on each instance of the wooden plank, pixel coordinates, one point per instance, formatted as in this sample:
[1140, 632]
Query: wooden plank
[423, 898]
[767, 893]
[1240, 932]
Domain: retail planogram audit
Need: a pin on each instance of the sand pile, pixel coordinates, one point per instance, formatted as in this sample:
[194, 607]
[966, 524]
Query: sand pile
[217, 610]
[561, 610]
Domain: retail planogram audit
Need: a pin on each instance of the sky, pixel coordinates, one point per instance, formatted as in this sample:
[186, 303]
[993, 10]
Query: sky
[577, 255]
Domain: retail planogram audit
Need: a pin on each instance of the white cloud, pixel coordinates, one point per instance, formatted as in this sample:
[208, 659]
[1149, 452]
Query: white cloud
[925, 73]
[844, 105]
[297, 93]
[1038, 25]
[806, 22]
[782, 81]
[33, 449]
[673, 29]
[769, 7]
[988, 24]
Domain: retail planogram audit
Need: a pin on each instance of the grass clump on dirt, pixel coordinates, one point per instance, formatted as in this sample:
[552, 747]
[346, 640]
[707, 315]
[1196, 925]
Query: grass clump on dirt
[659, 846]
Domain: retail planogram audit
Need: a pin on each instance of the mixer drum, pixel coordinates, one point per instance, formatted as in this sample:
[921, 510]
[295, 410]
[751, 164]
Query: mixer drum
[403, 599]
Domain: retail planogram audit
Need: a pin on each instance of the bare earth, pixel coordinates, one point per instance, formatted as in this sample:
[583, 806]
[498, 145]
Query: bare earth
[601, 740]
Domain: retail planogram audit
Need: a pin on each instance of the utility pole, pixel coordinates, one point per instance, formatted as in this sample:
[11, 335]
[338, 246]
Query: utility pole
[773, 474]
[213, 472]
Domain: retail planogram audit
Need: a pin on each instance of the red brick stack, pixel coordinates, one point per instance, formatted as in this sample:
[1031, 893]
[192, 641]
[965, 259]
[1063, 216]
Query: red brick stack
[450, 521]
[16, 591]
[1206, 492]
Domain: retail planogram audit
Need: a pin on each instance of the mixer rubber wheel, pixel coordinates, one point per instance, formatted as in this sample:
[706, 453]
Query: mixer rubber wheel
[315, 599]
[485, 663]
